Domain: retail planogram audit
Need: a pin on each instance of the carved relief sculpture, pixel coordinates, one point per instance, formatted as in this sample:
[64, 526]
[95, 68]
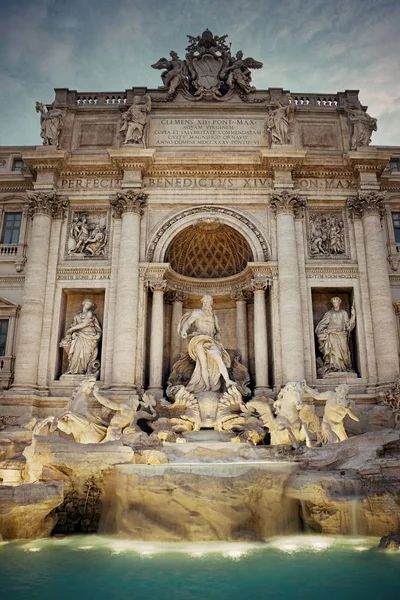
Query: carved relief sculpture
[209, 70]
[87, 235]
[82, 340]
[326, 235]
[361, 125]
[134, 121]
[278, 122]
[333, 333]
[51, 123]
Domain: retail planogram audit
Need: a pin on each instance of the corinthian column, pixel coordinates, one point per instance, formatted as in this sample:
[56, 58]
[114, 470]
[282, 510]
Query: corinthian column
[259, 286]
[43, 206]
[287, 205]
[157, 336]
[240, 296]
[370, 208]
[128, 205]
[177, 311]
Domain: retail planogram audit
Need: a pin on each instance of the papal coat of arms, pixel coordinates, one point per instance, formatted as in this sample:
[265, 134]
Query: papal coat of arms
[209, 71]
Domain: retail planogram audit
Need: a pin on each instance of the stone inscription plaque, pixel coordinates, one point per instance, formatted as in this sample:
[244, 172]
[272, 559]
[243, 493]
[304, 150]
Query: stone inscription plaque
[207, 132]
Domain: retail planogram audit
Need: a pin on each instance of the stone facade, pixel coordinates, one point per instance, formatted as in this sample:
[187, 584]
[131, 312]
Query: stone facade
[262, 199]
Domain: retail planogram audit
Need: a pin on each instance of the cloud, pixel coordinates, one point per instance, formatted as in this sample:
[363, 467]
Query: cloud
[96, 45]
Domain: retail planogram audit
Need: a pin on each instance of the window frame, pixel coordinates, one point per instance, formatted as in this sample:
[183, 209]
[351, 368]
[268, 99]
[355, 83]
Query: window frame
[4, 229]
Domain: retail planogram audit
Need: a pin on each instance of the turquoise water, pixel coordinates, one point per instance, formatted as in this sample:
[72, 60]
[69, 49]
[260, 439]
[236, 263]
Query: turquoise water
[308, 567]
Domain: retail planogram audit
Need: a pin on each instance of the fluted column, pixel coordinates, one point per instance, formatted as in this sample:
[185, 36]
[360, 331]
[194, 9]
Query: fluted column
[287, 204]
[158, 288]
[241, 297]
[368, 206]
[177, 311]
[43, 206]
[128, 204]
[258, 286]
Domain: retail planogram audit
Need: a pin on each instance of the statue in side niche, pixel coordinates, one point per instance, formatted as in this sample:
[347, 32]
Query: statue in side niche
[205, 348]
[50, 124]
[333, 333]
[134, 121]
[362, 125]
[278, 122]
[82, 340]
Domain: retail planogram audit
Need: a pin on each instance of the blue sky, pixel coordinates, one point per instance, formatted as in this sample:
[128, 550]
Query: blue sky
[103, 45]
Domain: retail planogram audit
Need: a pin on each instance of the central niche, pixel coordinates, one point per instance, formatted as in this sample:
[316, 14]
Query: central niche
[208, 250]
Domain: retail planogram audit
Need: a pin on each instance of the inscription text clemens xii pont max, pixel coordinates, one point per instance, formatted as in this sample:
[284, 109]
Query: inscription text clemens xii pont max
[206, 132]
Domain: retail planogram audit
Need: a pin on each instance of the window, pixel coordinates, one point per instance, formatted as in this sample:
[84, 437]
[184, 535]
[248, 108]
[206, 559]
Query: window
[11, 227]
[393, 164]
[18, 164]
[3, 336]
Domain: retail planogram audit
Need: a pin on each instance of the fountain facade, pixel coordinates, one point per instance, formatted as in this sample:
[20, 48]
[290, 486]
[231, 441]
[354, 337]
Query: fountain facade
[197, 311]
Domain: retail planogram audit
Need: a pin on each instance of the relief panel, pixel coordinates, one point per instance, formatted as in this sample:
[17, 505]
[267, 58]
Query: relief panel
[87, 234]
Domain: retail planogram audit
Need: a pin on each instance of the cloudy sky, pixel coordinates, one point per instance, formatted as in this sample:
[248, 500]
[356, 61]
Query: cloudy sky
[102, 45]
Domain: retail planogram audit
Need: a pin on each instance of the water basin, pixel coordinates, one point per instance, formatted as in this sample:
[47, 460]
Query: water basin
[294, 567]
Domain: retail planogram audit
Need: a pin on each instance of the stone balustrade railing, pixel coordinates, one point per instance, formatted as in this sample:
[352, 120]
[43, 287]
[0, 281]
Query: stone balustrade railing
[66, 97]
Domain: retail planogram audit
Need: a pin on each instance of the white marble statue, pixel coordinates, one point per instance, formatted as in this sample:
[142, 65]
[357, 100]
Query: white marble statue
[295, 421]
[333, 332]
[77, 420]
[338, 406]
[50, 124]
[204, 347]
[362, 125]
[82, 340]
[134, 121]
[124, 416]
[278, 122]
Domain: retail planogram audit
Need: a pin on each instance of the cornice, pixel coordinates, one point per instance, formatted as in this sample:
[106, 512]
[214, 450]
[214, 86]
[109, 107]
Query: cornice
[131, 159]
[282, 160]
[45, 160]
[205, 170]
[331, 271]
[17, 187]
[369, 161]
[83, 273]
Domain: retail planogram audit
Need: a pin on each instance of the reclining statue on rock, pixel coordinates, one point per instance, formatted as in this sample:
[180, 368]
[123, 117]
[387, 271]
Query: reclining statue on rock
[79, 421]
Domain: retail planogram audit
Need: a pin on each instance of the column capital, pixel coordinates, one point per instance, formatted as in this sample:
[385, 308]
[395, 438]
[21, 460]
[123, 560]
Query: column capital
[126, 201]
[47, 203]
[367, 203]
[241, 294]
[287, 201]
[157, 285]
[175, 296]
[260, 284]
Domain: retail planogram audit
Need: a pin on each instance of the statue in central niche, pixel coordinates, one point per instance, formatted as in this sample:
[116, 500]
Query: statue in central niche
[205, 348]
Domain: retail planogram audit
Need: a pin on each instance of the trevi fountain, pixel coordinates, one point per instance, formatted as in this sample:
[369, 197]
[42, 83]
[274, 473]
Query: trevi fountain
[199, 341]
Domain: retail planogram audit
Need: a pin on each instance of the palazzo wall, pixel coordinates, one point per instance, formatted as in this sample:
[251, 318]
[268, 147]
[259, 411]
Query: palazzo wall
[284, 226]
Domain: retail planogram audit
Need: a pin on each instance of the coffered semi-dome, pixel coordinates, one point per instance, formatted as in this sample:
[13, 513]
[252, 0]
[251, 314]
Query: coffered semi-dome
[208, 250]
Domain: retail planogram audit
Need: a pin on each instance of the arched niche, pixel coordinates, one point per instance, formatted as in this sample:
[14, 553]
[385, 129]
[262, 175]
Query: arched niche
[181, 220]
